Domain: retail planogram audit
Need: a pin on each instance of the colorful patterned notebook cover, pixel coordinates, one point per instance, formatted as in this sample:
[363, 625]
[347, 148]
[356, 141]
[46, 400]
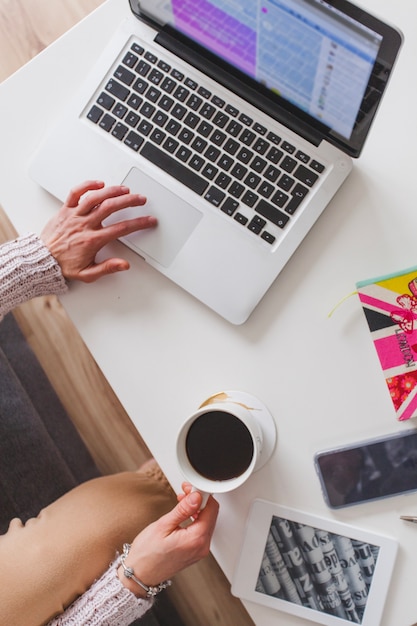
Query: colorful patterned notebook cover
[390, 307]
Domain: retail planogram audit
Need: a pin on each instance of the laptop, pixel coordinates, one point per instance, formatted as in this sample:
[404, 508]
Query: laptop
[238, 119]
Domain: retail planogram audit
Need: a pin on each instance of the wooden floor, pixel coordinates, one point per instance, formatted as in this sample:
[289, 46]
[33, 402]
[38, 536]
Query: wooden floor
[201, 593]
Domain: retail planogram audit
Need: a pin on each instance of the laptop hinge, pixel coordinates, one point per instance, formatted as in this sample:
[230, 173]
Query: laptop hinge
[247, 89]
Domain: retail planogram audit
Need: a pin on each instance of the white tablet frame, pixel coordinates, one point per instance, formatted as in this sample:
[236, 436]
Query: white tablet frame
[253, 550]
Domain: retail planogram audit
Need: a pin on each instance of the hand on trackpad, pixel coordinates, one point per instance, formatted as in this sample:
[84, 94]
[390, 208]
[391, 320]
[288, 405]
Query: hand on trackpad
[176, 219]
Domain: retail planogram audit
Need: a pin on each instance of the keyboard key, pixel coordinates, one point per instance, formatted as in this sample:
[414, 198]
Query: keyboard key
[274, 155]
[273, 138]
[183, 154]
[258, 164]
[181, 93]
[223, 180]
[168, 84]
[186, 136]
[204, 92]
[244, 155]
[134, 101]
[250, 198]
[256, 224]
[212, 153]
[106, 101]
[286, 182]
[204, 128]
[166, 103]
[145, 127]
[288, 164]
[288, 147]
[265, 189]
[140, 86]
[272, 173]
[305, 175]
[119, 131]
[94, 114]
[147, 110]
[247, 137]
[297, 196]
[134, 141]
[236, 189]
[151, 57]
[230, 206]
[175, 169]
[261, 146]
[194, 102]
[124, 75]
[207, 111]
[191, 120]
[241, 219]
[316, 166]
[231, 146]
[231, 110]
[302, 156]
[142, 68]
[130, 59]
[196, 162]
[219, 102]
[164, 66]
[117, 90]
[153, 94]
[245, 119]
[267, 237]
[218, 137]
[252, 180]
[120, 111]
[170, 145]
[225, 162]
[215, 196]
[239, 171]
[271, 213]
[155, 77]
[220, 119]
[199, 144]
[132, 119]
[259, 128]
[157, 136]
[234, 128]
[107, 122]
[173, 127]
[209, 171]
[279, 198]
[190, 83]
[177, 75]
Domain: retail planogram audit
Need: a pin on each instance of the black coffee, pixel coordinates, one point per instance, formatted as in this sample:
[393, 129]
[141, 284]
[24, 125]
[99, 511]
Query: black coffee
[219, 446]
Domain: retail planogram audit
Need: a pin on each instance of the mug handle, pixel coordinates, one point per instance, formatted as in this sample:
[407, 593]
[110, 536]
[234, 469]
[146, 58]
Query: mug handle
[204, 495]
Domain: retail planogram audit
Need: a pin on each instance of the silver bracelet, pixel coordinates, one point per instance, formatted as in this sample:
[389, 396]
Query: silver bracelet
[151, 592]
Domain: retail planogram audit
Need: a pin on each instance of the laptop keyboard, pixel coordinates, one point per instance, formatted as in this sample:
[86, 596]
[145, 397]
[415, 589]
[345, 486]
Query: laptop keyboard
[232, 161]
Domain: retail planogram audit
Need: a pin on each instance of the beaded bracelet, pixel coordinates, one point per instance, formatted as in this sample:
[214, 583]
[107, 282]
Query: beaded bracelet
[151, 592]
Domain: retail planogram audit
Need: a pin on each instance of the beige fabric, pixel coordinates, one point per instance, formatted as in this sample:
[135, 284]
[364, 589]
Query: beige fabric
[55, 557]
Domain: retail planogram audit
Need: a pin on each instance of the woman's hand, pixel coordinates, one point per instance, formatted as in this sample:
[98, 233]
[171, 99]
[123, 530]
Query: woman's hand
[168, 545]
[75, 234]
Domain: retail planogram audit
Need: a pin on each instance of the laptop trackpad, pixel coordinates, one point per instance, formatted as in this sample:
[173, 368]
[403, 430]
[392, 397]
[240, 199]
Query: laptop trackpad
[176, 219]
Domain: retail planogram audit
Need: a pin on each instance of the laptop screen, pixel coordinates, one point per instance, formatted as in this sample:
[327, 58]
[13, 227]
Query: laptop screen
[308, 53]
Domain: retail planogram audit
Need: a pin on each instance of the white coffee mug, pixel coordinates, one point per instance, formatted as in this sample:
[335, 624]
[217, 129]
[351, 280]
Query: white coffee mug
[221, 444]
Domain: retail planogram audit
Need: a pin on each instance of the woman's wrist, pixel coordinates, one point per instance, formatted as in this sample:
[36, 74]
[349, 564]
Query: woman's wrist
[130, 584]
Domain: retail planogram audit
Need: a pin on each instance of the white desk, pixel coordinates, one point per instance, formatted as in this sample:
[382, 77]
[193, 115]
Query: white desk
[164, 353]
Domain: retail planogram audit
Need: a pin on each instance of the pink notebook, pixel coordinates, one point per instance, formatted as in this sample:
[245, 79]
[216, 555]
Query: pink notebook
[390, 307]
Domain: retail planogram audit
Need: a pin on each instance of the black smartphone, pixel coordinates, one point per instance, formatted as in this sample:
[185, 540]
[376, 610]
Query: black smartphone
[368, 470]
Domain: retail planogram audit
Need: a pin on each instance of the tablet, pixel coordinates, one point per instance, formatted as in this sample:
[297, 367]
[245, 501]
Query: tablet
[319, 569]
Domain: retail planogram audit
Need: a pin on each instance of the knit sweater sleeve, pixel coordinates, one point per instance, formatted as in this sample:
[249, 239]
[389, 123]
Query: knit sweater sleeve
[106, 603]
[27, 270]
